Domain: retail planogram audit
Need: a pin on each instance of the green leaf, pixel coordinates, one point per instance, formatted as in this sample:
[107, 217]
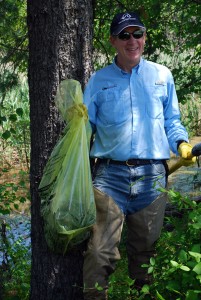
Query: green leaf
[150, 270]
[144, 265]
[13, 131]
[197, 268]
[15, 188]
[185, 268]
[13, 117]
[192, 295]
[196, 255]
[174, 263]
[3, 119]
[16, 206]
[25, 286]
[6, 135]
[173, 286]
[5, 211]
[98, 287]
[22, 183]
[159, 296]
[152, 261]
[19, 111]
[145, 289]
[196, 248]
[22, 199]
[183, 256]
[197, 226]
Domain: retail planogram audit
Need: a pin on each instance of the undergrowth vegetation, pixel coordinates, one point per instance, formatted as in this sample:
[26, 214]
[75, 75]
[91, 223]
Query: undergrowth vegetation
[176, 270]
[16, 267]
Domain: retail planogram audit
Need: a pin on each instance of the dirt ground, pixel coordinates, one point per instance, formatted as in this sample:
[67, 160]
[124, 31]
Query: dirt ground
[195, 140]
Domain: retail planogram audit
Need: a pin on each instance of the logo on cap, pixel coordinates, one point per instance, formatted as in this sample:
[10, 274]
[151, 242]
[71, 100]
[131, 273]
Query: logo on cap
[126, 16]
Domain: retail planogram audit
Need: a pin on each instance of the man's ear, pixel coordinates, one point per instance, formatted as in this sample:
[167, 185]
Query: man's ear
[145, 37]
[112, 40]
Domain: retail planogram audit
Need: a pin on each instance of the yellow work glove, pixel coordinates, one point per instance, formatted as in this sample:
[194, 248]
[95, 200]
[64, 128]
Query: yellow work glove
[184, 150]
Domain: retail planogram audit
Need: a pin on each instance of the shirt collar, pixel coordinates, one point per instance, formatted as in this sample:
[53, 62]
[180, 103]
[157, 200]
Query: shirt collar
[137, 69]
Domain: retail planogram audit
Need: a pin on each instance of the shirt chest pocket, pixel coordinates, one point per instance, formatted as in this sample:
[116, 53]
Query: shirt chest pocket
[113, 106]
[155, 97]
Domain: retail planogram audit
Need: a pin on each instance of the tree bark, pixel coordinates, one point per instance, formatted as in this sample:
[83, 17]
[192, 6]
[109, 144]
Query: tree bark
[60, 47]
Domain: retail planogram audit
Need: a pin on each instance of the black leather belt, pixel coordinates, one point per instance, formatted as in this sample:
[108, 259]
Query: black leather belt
[129, 162]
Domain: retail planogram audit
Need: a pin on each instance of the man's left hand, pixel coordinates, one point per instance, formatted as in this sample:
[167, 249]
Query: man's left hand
[185, 150]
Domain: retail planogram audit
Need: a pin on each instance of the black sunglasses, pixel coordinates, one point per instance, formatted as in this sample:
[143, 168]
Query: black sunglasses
[125, 36]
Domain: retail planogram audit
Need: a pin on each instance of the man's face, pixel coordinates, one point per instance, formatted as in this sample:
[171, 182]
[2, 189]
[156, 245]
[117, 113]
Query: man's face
[128, 51]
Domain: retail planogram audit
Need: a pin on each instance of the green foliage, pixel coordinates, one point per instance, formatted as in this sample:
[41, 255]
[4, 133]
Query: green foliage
[13, 63]
[191, 114]
[121, 285]
[176, 269]
[14, 122]
[13, 36]
[10, 196]
[17, 270]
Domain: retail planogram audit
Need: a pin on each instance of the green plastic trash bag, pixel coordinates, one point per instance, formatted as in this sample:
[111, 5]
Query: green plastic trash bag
[66, 190]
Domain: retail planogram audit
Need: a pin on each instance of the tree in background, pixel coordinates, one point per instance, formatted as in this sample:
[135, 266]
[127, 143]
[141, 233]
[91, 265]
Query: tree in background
[60, 47]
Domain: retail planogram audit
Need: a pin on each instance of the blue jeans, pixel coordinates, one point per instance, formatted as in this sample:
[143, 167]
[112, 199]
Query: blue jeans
[132, 188]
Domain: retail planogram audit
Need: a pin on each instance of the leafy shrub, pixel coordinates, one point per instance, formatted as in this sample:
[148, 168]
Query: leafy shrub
[176, 269]
[16, 263]
[11, 196]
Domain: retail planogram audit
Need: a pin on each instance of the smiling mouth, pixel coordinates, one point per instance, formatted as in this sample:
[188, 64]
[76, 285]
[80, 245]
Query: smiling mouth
[132, 49]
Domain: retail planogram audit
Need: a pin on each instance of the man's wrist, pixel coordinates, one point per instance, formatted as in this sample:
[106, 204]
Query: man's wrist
[179, 143]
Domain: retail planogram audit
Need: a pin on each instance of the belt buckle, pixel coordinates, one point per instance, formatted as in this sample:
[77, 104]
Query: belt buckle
[129, 165]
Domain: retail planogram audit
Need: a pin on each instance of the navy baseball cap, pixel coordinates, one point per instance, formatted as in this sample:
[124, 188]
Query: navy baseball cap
[124, 20]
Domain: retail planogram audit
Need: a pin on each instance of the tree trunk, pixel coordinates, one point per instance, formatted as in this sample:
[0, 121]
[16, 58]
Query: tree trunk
[60, 47]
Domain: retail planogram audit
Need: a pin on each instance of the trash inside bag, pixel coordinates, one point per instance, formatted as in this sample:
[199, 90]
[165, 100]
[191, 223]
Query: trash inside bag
[66, 190]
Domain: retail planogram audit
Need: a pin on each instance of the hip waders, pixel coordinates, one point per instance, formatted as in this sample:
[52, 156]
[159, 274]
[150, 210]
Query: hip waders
[143, 229]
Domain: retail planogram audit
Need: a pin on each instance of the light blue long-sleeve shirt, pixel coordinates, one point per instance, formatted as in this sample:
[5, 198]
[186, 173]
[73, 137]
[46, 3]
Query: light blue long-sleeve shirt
[134, 115]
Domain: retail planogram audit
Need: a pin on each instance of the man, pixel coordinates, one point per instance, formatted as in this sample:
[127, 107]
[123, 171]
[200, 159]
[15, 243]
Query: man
[134, 114]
